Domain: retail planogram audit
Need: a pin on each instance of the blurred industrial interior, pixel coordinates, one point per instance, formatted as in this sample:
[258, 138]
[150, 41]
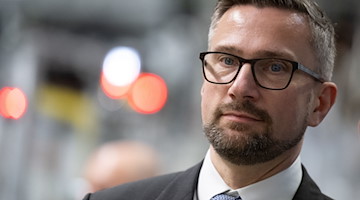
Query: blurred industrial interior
[53, 50]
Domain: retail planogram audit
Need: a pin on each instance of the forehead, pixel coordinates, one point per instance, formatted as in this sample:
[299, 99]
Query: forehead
[274, 12]
[264, 18]
[247, 28]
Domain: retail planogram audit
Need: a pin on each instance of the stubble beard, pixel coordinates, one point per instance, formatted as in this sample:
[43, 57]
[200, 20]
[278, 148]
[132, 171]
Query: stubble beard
[250, 147]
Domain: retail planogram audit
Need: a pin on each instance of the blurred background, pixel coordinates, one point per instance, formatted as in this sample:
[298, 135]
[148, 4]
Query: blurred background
[57, 61]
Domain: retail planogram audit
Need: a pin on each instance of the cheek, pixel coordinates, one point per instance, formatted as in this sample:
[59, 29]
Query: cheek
[206, 105]
[210, 99]
[289, 115]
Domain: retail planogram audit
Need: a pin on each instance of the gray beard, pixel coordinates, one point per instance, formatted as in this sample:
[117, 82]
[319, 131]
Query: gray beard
[252, 148]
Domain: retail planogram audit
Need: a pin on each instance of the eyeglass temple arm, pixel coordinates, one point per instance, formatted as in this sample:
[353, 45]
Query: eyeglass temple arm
[311, 73]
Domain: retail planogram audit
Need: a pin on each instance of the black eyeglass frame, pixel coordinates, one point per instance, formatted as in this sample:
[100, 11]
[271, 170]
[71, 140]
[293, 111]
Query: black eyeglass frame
[242, 61]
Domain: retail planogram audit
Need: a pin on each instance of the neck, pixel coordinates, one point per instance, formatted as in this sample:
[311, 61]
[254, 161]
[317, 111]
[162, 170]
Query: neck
[238, 176]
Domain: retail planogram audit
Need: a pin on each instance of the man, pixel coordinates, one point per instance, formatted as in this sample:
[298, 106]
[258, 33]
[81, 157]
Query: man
[267, 74]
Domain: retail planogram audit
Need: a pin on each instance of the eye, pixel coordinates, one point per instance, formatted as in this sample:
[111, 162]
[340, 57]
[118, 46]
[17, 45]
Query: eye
[228, 61]
[273, 67]
[276, 67]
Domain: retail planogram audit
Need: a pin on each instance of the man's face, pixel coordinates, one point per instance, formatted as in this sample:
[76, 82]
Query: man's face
[247, 124]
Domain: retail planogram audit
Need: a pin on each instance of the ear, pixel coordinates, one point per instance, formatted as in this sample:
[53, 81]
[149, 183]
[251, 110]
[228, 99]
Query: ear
[324, 100]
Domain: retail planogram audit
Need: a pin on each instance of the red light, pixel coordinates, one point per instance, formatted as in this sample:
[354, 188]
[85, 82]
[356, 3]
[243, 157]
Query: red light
[3, 97]
[113, 91]
[13, 103]
[148, 94]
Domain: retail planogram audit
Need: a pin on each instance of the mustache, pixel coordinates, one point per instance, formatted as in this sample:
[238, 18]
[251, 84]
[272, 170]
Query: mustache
[246, 107]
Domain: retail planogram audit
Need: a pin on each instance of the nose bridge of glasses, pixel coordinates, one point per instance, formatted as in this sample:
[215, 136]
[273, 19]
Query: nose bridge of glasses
[245, 71]
[245, 62]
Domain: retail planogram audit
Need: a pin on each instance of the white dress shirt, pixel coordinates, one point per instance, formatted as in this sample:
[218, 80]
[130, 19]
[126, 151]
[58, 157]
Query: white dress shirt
[281, 186]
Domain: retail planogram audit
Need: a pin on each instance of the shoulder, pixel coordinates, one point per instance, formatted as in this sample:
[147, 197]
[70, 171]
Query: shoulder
[308, 189]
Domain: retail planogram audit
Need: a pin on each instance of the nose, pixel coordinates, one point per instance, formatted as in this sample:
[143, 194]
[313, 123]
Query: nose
[244, 85]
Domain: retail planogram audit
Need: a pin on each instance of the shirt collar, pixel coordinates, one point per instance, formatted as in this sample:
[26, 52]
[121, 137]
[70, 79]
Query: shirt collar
[210, 182]
[280, 186]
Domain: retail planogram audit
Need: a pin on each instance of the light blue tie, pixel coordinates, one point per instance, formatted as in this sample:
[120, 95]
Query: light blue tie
[224, 197]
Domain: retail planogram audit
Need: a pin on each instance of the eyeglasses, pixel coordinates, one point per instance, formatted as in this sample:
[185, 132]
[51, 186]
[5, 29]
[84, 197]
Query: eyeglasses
[268, 73]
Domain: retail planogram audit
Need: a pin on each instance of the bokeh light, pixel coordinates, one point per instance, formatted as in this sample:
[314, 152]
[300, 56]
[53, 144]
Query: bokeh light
[113, 91]
[13, 103]
[3, 98]
[148, 94]
[121, 66]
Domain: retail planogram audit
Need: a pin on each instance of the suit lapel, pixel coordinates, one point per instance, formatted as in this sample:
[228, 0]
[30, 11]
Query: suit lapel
[183, 186]
[308, 189]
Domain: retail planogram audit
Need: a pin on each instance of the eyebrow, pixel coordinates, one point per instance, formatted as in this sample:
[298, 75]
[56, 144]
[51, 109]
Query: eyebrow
[259, 54]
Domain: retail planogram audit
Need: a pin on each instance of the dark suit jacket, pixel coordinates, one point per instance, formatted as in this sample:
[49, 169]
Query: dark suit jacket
[181, 186]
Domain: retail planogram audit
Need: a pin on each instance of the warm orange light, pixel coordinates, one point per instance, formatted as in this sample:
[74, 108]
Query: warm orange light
[13, 103]
[3, 96]
[113, 91]
[148, 94]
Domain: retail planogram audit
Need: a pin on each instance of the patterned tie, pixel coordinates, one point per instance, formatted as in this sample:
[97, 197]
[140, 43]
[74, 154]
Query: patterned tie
[224, 197]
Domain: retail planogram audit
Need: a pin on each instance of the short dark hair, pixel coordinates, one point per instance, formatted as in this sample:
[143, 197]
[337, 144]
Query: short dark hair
[322, 29]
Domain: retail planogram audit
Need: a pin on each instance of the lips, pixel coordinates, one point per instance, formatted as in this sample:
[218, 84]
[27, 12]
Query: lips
[241, 116]
[241, 112]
